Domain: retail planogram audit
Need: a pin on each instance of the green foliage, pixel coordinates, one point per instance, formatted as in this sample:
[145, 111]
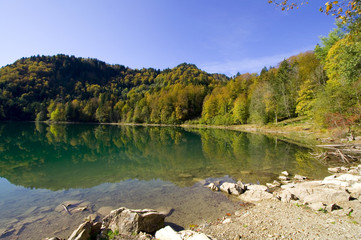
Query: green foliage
[324, 85]
[111, 234]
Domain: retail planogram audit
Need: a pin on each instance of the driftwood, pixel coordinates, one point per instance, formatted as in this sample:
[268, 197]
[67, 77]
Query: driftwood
[346, 153]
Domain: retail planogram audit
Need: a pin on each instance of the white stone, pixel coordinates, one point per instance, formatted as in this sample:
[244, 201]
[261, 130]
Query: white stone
[227, 220]
[167, 233]
[285, 173]
[213, 187]
[299, 177]
[353, 171]
[286, 196]
[254, 196]
[334, 170]
[349, 177]
[344, 169]
[336, 182]
[283, 178]
[231, 188]
[257, 187]
[317, 206]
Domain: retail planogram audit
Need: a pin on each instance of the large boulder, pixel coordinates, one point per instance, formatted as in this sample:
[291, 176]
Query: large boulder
[128, 221]
[313, 192]
[255, 195]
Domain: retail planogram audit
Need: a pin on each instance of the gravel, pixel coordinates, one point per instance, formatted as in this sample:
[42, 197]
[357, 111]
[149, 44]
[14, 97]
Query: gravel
[273, 219]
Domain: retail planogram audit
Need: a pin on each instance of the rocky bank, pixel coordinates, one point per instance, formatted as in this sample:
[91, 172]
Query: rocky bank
[291, 208]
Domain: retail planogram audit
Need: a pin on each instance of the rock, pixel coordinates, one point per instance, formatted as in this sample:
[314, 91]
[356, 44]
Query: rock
[274, 184]
[213, 187]
[344, 169]
[286, 196]
[317, 206]
[313, 192]
[80, 209]
[238, 213]
[353, 171]
[95, 230]
[129, 221]
[167, 233]
[299, 177]
[355, 190]
[82, 232]
[344, 180]
[254, 196]
[104, 210]
[283, 178]
[53, 238]
[332, 207]
[227, 220]
[92, 217]
[278, 184]
[334, 170]
[242, 186]
[231, 188]
[257, 188]
[349, 178]
[285, 173]
[333, 180]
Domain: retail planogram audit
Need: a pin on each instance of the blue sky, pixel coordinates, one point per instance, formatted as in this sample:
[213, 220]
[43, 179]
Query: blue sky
[223, 36]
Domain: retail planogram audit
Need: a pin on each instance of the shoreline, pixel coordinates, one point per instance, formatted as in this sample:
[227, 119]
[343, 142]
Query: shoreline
[296, 209]
[303, 134]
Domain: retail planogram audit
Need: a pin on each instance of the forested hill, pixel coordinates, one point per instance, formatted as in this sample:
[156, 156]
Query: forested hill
[324, 84]
[66, 88]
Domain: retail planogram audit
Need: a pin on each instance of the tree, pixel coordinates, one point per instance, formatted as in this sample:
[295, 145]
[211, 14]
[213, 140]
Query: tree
[342, 9]
[240, 109]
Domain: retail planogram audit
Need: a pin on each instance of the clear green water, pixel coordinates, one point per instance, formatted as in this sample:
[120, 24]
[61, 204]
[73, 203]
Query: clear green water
[137, 167]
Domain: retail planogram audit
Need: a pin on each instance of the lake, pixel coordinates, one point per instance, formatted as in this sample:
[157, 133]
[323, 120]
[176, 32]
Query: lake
[105, 167]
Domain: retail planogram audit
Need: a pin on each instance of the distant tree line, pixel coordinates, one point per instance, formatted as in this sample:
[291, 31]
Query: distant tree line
[324, 84]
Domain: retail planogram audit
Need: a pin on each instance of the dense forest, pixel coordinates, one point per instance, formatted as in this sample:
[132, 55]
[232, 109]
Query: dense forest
[323, 84]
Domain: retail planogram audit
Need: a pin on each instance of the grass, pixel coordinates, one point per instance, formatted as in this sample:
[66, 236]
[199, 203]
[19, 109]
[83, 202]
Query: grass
[322, 210]
[111, 234]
